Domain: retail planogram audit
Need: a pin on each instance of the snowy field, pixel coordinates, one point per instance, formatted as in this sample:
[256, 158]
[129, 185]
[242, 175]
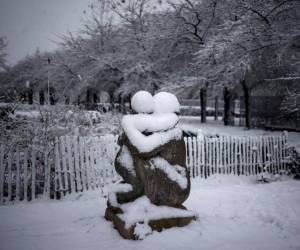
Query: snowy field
[234, 213]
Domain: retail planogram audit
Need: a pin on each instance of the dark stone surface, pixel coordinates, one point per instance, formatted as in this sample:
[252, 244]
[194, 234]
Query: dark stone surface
[157, 186]
[154, 183]
[156, 225]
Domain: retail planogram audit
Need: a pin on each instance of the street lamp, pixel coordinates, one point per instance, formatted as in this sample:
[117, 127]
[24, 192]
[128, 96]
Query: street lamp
[48, 80]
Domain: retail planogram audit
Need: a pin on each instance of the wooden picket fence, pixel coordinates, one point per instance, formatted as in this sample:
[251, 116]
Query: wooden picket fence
[73, 164]
[76, 164]
[23, 174]
[84, 163]
[236, 155]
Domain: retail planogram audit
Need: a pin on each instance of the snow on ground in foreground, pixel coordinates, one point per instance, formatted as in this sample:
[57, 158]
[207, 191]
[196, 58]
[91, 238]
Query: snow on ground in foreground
[235, 213]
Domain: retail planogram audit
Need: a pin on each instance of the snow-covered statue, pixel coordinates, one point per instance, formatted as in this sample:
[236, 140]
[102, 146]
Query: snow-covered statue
[151, 162]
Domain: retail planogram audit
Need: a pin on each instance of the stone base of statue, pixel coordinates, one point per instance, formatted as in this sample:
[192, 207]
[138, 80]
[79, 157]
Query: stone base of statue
[138, 229]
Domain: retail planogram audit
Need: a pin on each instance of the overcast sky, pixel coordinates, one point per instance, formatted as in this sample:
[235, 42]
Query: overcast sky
[32, 24]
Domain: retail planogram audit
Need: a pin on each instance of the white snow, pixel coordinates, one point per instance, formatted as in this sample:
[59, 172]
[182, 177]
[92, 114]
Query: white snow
[126, 160]
[163, 119]
[149, 123]
[133, 125]
[234, 213]
[117, 188]
[143, 210]
[162, 102]
[174, 172]
[142, 230]
[142, 102]
[284, 78]
[165, 102]
[28, 114]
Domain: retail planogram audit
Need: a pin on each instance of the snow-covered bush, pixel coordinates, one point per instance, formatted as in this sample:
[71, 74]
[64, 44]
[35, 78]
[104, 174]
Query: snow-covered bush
[38, 128]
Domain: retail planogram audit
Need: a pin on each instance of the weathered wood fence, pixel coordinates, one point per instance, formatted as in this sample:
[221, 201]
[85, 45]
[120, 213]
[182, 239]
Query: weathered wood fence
[73, 164]
[76, 164]
[83, 163]
[236, 155]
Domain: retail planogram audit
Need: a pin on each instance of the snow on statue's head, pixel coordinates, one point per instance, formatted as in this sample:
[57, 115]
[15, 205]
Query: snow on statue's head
[165, 102]
[155, 114]
[142, 102]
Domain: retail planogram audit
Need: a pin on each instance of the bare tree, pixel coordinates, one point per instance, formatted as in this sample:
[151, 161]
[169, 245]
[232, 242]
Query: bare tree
[197, 18]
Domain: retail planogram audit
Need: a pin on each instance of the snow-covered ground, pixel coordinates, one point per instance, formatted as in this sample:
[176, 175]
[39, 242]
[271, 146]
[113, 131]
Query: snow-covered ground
[234, 213]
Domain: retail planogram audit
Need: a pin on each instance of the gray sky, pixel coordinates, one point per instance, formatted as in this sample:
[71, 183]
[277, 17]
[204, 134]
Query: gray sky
[32, 24]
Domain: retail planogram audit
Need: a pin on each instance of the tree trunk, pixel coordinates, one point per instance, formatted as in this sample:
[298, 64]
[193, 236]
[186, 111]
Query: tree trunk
[42, 97]
[247, 100]
[123, 105]
[130, 107]
[52, 100]
[30, 96]
[216, 108]
[88, 99]
[120, 103]
[67, 100]
[228, 107]
[203, 102]
[112, 101]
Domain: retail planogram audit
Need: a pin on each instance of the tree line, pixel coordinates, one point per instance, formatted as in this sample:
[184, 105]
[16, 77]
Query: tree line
[183, 46]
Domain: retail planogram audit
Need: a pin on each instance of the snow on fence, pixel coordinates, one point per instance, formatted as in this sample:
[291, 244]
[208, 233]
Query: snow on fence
[77, 164]
[236, 155]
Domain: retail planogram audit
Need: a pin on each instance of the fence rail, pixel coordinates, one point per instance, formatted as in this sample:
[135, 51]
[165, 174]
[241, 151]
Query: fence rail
[77, 164]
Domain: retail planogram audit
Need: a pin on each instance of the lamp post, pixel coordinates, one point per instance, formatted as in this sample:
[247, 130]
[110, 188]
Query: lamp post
[48, 80]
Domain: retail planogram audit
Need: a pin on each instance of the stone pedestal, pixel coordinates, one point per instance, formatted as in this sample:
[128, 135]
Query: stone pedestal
[114, 215]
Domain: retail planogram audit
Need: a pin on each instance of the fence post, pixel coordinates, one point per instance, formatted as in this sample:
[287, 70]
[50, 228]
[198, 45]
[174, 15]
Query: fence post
[46, 173]
[33, 174]
[190, 166]
[17, 154]
[91, 166]
[88, 164]
[76, 158]
[58, 182]
[198, 146]
[70, 163]
[25, 198]
[210, 154]
[235, 141]
[64, 164]
[222, 156]
[285, 150]
[280, 143]
[196, 163]
[9, 179]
